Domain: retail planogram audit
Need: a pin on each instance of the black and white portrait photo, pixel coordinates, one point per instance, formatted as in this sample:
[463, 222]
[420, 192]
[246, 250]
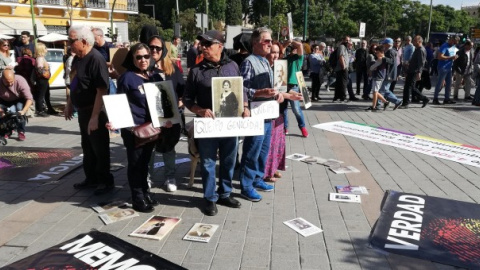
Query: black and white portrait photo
[227, 96]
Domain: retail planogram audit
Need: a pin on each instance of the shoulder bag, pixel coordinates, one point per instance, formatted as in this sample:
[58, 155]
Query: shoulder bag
[145, 133]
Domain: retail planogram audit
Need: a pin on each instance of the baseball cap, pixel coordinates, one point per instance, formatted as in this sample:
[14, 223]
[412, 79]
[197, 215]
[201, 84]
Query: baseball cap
[212, 35]
[388, 41]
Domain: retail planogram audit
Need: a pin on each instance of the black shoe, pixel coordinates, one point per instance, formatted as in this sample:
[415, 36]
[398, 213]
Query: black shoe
[425, 102]
[334, 100]
[367, 98]
[397, 105]
[85, 184]
[448, 101]
[435, 102]
[369, 108]
[52, 112]
[385, 105]
[469, 98]
[229, 202]
[150, 200]
[142, 206]
[358, 93]
[42, 114]
[354, 99]
[314, 99]
[210, 208]
[104, 189]
[319, 98]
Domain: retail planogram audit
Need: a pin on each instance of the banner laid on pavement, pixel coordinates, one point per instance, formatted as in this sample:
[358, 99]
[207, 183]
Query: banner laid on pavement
[94, 250]
[462, 153]
[37, 164]
[430, 228]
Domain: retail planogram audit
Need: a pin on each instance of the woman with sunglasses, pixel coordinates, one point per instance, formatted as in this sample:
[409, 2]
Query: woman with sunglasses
[169, 137]
[131, 83]
[5, 60]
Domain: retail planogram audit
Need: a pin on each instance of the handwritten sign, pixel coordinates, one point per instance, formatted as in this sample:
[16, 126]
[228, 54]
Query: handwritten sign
[265, 109]
[227, 127]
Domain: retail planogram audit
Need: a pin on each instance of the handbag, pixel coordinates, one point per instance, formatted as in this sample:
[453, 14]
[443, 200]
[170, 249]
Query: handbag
[145, 133]
[44, 73]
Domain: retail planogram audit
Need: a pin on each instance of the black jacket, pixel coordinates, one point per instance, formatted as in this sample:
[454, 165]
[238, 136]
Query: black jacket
[460, 64]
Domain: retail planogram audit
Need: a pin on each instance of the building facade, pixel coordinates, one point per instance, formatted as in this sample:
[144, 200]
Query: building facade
[56, 16]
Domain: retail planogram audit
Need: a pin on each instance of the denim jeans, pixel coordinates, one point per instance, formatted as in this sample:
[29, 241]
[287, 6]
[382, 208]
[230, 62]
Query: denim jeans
[297, 111]
[227, 150]
[14, 108]
[169, 164]
[446, 75]
[387, 94]
[254, 158]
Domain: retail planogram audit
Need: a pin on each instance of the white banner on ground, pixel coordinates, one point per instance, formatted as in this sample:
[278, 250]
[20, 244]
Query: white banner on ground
[227, 127]
[465, 154]
[265, 109]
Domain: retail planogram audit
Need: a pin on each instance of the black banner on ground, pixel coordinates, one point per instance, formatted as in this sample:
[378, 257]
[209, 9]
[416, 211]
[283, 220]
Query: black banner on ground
[430, 228]
[37, 164]
[94, 250]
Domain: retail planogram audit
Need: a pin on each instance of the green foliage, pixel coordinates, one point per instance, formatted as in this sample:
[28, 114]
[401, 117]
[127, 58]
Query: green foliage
[136, 22]
[216, 10]
[188, 22]
[233, 12]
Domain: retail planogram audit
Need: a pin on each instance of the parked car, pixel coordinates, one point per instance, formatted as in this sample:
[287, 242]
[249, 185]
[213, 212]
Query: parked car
[54, 58]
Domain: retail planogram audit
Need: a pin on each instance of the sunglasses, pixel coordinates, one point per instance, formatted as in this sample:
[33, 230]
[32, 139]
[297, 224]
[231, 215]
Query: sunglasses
[5, 45]
[139, 57]
[206, 43]
[267, 41]
[72, 40]
[155, 48]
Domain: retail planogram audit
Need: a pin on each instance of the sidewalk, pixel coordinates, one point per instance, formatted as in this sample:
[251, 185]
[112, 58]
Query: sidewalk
[34, 217]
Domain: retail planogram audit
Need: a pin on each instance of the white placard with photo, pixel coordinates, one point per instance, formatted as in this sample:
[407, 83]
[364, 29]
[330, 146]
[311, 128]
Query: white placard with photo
[297, 157]
[280, 74]
[205, 127]
[162, 103]
[340, 197]
[265, 109]
[201, 232]
[118, 111]
[343, 169]
[302, 226]
[227, 96]
[303, 90]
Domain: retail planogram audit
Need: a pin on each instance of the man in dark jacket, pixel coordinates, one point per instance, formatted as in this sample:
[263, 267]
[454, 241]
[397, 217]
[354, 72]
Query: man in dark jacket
[361, 66]
[463, 68]
[198, 99]
[414, 73]
[192, 54]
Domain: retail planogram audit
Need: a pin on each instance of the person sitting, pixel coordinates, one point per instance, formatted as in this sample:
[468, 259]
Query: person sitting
[15, 97]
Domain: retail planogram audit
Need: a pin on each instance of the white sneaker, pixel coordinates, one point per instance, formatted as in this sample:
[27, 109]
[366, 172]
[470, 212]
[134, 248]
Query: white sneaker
[171, 185]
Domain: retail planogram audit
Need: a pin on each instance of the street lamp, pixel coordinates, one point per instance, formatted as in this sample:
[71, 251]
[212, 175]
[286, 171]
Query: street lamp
[429, 22]
[153, 9]
[269, 12]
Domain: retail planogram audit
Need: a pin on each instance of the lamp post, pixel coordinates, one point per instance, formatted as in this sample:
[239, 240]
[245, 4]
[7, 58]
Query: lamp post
[153, 9]
[429, 22]
[269, 12]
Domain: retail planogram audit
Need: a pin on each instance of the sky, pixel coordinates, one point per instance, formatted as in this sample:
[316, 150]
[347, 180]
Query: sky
[453, 3]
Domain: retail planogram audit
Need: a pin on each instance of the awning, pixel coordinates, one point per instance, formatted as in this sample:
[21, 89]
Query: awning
[15, 26]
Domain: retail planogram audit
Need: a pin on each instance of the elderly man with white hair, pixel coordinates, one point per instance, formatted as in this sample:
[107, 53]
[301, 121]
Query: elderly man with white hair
[88, 84]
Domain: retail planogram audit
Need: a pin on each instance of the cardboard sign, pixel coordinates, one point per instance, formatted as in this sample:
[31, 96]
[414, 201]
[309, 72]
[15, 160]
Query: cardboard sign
[265, 109]
[227, 127]
[117, 56]
[304, 90]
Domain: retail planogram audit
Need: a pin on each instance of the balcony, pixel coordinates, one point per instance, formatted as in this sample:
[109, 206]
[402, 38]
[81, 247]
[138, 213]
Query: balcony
[96, 4]
[49, 2]
[10, 1]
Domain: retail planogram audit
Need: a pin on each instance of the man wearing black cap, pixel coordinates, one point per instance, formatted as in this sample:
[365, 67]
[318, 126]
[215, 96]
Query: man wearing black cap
[198, 99]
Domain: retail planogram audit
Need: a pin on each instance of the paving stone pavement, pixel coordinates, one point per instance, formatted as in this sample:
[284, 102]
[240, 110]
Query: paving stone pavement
[34, 217]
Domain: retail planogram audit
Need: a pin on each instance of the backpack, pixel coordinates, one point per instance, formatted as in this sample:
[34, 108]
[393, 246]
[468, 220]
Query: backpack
[333, 60]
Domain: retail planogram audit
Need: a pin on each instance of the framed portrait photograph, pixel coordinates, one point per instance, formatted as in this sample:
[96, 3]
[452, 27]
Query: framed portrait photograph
[162, 103]
[227, 96]
[201, 232]
[280, 74]
[156, 227]
[302, 86]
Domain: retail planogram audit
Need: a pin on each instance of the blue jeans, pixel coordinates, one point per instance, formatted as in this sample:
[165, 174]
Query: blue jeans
[169, 164]
[227, 150]
[297, 111]
[254, 158]
[446, 75]
[387, 94]
[15, 107]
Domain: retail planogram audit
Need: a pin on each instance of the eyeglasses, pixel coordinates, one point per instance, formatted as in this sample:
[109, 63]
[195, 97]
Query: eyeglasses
[206, 43]
[139, 57]
[398, 41]
[72, 40]
[272, 52]
[267, 41]
[155, 48]
[5, 45]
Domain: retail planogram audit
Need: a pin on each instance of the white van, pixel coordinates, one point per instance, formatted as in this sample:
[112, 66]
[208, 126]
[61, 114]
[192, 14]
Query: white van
[54, 58]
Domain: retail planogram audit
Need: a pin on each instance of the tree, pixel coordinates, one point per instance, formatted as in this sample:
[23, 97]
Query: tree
[233, 12]
[187, 20]
[136, 22]
[216, 10]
